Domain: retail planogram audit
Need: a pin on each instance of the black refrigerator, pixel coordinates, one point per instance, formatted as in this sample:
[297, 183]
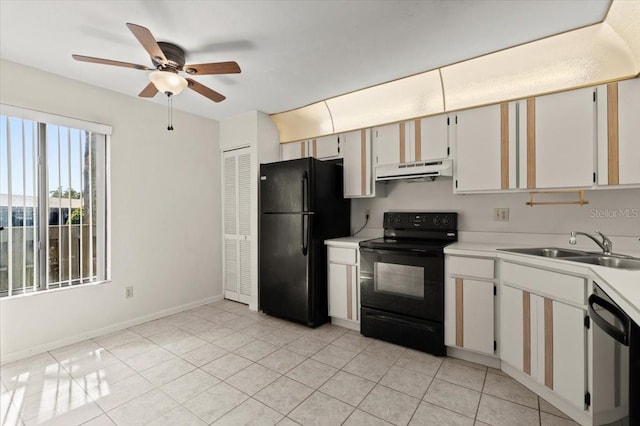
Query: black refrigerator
[301, 205]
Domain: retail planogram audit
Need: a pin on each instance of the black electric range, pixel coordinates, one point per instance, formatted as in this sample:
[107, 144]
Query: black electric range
[402, 280]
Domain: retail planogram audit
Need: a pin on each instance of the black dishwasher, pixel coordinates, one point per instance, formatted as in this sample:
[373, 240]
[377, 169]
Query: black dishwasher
[616, 362]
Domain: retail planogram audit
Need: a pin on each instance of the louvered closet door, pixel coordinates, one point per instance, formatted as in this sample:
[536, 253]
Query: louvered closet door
[244, 225]
[237, 225]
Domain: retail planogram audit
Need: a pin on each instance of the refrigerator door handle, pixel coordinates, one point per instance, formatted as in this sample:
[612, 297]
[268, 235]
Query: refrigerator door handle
[305, 234]
[305, 192]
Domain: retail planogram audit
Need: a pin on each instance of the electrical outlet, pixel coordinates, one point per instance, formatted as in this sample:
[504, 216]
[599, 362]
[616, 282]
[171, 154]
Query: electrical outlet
[501, 214]
[128, 292]
[367, 212]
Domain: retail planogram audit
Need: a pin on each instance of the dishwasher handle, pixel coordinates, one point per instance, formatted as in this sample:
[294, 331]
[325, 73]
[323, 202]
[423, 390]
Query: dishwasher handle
[621, 336]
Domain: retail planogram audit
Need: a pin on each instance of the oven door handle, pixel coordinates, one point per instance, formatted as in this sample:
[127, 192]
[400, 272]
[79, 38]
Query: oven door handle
[620, 335]
[410, 252]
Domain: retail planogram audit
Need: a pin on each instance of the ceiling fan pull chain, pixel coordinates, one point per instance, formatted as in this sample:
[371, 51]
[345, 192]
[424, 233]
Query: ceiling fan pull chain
[169, 112]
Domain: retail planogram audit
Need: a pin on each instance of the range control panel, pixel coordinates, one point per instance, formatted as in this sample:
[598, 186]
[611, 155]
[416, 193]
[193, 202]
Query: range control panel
[424, 221]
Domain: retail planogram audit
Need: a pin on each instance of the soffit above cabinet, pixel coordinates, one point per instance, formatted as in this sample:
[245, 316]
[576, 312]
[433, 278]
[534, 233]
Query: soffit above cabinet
[595, 54]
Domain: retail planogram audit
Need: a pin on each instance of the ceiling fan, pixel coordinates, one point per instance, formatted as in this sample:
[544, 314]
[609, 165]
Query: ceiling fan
[168, 62]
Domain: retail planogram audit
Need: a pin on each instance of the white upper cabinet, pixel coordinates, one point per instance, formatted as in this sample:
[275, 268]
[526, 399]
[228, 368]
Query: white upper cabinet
[326, 147]
[322, 148]
[431, 138]
[424, 139]
[387, 143]
[358, 177]
[619, 133]
[557, 140]
[294, 150]
[485, 141]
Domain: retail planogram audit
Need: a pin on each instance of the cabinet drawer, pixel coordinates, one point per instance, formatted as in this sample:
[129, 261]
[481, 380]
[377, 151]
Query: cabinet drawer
[471, 266]
[342, 255]
[546, 283]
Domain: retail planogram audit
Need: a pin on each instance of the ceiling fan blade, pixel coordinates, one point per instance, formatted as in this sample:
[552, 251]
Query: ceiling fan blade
[82, 58]
[149, 91]
[205, 91]
[230, 67]
[147, 41]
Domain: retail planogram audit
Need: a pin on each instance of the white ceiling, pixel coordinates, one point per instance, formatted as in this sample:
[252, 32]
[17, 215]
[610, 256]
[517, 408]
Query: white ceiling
[292, 53]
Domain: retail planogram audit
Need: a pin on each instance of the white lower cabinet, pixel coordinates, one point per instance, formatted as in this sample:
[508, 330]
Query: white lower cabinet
[343, 285]
[469, 304]
[543, 334]
[343, 291]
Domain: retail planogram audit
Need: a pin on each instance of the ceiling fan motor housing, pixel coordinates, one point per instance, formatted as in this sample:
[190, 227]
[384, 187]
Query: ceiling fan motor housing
[175, 57]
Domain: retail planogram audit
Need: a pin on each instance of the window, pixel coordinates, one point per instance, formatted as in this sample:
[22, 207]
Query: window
[53, 202]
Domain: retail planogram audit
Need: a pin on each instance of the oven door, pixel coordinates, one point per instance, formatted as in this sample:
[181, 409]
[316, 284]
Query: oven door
[403, 282]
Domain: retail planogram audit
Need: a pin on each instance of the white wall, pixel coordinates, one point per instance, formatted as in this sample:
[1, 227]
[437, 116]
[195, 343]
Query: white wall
[165, 215]
[476, 211]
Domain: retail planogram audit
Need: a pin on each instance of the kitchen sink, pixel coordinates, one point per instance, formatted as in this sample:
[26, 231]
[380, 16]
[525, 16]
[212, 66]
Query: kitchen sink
[548, 252]
[609, 261]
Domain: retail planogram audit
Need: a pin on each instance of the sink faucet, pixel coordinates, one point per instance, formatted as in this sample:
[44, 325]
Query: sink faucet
[606, 245]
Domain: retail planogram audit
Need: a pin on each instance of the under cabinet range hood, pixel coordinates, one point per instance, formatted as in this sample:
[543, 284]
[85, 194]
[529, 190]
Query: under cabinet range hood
[418, 171]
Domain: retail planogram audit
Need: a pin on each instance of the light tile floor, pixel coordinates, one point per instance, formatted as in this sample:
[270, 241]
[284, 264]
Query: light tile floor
[223, 364]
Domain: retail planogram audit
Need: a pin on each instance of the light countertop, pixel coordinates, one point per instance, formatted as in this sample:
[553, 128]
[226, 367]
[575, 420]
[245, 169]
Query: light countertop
[348, 242]
[623, 286]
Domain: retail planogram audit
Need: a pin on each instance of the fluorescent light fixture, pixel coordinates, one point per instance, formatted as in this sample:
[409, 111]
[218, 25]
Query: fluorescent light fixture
[597, 54]
[168, 82]
[583, 57]
[299, 124]
[402, 99]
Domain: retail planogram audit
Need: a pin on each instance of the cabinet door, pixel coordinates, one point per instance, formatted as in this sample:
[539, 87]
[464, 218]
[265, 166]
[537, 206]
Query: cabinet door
[565, 343]
[618, 130]
[358, 179]
[343, 291]
[431, 140]
[325, 147]
[293, 150]
[472, 304]
[477, 315]
[485, 148]
[629, 131]
[515, 322]
[386, 141]
[558, 140]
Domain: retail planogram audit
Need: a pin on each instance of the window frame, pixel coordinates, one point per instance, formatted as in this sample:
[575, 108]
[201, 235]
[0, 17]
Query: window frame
[42, 119]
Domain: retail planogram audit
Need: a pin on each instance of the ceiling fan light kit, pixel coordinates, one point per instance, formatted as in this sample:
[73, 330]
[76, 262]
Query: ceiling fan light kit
[168, 82]
[168, 61]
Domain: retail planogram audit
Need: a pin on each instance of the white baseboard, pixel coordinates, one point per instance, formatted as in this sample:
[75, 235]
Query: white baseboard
[487, 360]
[351, 325]
[14, 356]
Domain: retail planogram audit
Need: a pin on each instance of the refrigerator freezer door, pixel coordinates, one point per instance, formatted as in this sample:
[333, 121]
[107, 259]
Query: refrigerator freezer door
[284, 266]
[286, 187]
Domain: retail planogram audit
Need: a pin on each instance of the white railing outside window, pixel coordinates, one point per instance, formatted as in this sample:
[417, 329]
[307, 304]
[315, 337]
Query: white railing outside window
[53, 204]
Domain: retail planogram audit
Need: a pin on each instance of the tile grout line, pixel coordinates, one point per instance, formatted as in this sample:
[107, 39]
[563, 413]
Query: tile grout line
[484, 382]
[278, 326]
